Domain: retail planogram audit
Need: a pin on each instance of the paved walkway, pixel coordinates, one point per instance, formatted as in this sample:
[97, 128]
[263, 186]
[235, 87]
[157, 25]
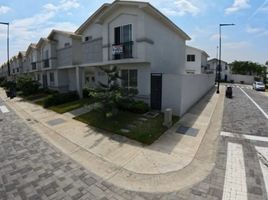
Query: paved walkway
[126, 163]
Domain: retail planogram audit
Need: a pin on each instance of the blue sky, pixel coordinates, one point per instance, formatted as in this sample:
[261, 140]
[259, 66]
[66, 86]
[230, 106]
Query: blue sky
[248, 40]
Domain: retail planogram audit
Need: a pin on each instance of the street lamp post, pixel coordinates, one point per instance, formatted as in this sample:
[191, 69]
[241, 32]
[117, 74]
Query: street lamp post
[8, 63]
[219, 67]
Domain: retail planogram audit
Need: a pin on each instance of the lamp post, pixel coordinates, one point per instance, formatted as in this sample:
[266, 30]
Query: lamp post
[219, 67]
[8, 63]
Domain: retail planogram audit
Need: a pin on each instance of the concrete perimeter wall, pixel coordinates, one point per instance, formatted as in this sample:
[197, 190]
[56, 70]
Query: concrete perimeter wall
[238, 78]
[180, 92]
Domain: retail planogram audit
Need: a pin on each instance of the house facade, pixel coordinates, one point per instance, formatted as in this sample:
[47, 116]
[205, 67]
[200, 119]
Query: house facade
[129, 35]
[196, 61]
[140, 41]
[225, 70]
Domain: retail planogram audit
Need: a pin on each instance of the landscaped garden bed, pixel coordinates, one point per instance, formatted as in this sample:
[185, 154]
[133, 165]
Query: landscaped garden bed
[67, 107]
[131, 125]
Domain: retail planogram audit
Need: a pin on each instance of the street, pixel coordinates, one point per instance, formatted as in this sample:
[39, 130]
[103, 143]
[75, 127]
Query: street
[31, 168]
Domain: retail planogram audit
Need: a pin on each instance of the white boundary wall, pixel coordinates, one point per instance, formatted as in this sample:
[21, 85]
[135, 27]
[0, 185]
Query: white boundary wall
[181, 92]
[237, 78]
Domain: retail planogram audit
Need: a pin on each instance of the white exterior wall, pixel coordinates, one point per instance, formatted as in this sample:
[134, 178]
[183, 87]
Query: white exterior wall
[61, 40]
[94, 30]
[245, 78]
[167, 54]
[180, 92]
[195, 66]
[122, 16]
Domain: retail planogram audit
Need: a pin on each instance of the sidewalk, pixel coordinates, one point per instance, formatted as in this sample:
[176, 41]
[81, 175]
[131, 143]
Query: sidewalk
[173, 162]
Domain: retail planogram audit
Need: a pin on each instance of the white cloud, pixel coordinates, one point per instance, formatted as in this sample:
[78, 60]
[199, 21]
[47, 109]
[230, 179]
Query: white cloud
[250, 29]
[4, 9]
[216, 36]
[177, 7]
[237, 6]
[262, 8]
[29, 30]
[236, 45]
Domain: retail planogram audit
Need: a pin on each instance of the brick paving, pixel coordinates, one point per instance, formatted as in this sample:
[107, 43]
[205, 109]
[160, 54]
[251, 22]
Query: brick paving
[30, 168]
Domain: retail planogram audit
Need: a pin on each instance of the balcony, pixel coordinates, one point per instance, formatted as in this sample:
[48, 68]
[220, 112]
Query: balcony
[33, 65]
[123, 50]
[46, 63]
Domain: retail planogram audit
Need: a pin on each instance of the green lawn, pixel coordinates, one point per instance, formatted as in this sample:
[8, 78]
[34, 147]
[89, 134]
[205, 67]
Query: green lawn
[146, 133]
[35, 97]
[41, 101]
[63, 108]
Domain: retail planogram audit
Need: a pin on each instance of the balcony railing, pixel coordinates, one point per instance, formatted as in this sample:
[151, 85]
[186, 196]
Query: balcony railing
[46, 63]
[34, 66]
[123, 50]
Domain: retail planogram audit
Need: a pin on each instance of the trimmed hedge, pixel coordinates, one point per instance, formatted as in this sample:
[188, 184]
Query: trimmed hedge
[133, 106]
[60, 98]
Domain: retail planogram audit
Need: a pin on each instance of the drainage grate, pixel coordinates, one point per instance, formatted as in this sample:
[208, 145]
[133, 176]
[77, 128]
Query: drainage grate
[187, 131]
[55, 122]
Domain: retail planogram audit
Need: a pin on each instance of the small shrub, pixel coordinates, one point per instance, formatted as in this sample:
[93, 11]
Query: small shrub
[57, 99]
[133, 106]
[86, 93]
[48, 91]
[27, 85]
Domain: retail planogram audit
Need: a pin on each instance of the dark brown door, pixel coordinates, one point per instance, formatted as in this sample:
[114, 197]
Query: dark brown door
[156, 91]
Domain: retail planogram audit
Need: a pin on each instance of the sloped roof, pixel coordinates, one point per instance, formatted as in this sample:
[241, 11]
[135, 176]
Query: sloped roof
[105, 9]
[30, 47]
[66, 33]
[202, 51]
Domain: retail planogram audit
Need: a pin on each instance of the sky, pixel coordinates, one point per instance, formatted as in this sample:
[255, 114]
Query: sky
[247, 40]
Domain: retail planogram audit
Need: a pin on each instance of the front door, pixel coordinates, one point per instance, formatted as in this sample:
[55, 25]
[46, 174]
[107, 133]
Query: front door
[156, 91]
[44, 81]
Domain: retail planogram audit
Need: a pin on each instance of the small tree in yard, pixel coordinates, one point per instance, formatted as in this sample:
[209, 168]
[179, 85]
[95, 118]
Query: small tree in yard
[27, 85]
[108, 95]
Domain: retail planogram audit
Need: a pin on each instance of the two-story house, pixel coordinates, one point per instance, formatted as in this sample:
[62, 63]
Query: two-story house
[225, 70]
[139, 40]
[196, 61]
[67, 53]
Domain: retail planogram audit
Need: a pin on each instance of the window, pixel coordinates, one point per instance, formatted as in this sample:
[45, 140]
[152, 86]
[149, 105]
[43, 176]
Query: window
[123, 43]
[66, 44]
[123, 34]
[88, 38]
[18, 69]
[38, 77]
[46, 54]
[51, 77]
[190, 58]
[129, 78]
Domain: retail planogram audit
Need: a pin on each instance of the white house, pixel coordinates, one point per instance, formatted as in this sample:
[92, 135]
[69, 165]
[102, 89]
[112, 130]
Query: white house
[195, 61]
[149, 50]
[225, 70]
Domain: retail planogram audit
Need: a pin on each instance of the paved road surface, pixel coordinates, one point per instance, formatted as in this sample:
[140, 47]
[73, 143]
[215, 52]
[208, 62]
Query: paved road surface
[30, 168]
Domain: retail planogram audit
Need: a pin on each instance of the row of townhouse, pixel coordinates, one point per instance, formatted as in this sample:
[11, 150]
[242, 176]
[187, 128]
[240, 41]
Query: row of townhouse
[134, 36]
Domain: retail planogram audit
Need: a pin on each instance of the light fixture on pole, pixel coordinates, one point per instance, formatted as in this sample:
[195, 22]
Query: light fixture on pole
[8, 63]
[219, 66]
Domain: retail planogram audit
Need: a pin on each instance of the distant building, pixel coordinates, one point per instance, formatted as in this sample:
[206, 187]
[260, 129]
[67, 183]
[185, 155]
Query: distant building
[196, 61]
[225, 68]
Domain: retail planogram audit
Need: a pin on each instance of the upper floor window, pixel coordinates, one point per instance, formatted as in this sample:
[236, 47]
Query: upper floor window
[66, 44]
[123, 34]
[88, 38]
[45, 54]
[122, 47]
[190, 58]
